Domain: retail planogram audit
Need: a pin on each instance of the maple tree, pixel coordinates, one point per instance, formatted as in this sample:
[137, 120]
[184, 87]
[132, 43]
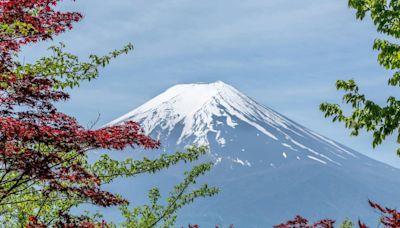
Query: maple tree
[44, 168]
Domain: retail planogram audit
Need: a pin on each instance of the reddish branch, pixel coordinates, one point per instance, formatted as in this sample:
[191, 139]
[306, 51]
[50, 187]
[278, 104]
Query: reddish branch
[300, 222]
[390, 218]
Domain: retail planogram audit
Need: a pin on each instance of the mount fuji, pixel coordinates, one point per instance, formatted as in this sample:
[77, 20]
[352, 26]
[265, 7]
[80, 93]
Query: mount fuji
[268, 167]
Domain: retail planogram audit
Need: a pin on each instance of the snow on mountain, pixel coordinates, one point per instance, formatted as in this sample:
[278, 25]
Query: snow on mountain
[195, 105]
[198, 106]
[268, 167]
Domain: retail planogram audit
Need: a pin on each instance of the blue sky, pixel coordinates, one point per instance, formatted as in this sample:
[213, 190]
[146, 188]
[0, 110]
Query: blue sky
[285, 54]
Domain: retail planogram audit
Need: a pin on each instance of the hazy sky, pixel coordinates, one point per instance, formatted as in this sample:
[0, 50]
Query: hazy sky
[285, 54]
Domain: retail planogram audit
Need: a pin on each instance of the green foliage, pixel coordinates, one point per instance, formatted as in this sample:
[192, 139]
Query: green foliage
[159, 215]
[346, 224]
[67, 69]
[381, 120]
[19, 27]
[384, 13]
[28, 201]
[108, 169]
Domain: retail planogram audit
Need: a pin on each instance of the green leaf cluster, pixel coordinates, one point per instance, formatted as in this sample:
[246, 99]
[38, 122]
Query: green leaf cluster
[16, 27]
[164, 215]
[346, 224]
[366, 114]
[66, 68]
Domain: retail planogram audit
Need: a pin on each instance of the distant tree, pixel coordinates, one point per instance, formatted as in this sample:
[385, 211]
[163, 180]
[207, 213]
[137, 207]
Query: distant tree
[381, 120]
[44, 170]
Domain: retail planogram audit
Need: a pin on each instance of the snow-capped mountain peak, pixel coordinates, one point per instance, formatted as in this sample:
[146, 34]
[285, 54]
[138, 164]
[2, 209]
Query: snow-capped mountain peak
[195, 106]
[198, 113]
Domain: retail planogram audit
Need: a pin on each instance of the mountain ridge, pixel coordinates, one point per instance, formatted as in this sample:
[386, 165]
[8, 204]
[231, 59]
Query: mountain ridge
[265, 163]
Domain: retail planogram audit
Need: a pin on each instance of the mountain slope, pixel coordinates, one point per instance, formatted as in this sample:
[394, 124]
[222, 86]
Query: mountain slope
[266, 165]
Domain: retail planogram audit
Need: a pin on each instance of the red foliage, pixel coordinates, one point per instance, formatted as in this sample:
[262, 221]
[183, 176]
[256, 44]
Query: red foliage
[300, 222]
[29, 120]
[40, 14]
[390, 218]
[362, 225]
[39, 123]
[34, 223]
